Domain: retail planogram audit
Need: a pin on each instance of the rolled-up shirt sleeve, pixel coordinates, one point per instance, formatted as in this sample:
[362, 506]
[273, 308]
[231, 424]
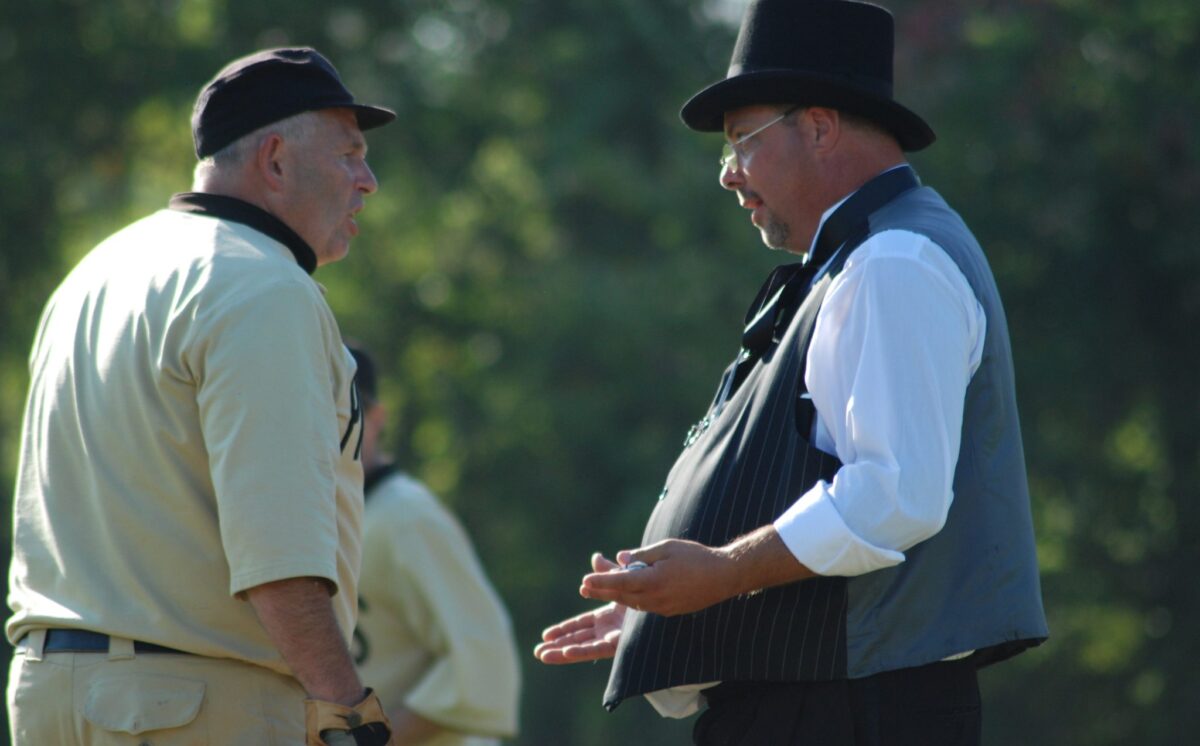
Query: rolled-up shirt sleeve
[895, 344]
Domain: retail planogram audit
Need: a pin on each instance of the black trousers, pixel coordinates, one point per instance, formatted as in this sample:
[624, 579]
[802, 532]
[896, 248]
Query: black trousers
[934, 705]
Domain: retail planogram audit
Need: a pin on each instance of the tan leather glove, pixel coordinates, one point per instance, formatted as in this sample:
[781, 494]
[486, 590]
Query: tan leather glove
[332, 724]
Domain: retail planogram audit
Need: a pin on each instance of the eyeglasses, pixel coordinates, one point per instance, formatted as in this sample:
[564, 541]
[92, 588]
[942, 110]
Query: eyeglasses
[732, 155]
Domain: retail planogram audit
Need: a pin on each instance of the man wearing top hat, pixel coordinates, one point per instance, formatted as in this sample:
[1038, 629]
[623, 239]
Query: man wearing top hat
[187, 517]
[846, 537]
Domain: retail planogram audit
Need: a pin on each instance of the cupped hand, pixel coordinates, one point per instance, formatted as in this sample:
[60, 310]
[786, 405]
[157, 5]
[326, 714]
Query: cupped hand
[678, 577]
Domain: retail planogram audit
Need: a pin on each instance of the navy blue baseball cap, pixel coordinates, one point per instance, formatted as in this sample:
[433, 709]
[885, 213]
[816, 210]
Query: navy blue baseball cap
[268, 86]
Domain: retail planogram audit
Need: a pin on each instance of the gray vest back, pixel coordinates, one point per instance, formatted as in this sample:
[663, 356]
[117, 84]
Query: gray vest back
[974, 585]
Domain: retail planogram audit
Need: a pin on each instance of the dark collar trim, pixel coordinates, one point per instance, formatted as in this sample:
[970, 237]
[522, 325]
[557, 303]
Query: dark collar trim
[240, 211]
[376, 475]
[854, 214]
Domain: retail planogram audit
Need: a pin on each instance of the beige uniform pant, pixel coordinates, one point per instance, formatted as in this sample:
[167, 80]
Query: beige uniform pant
[147, 699]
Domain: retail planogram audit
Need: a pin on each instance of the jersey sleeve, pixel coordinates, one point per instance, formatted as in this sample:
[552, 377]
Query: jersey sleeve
[269, 419]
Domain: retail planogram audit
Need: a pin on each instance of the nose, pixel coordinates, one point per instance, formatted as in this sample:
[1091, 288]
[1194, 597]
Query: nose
[731, 176]
[367, 183]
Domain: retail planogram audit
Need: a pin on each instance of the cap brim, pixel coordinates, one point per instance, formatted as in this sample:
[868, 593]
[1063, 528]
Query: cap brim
[370, 117]
[705, 111]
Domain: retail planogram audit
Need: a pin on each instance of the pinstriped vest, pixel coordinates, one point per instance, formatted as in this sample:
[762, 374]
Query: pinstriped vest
[749, 459]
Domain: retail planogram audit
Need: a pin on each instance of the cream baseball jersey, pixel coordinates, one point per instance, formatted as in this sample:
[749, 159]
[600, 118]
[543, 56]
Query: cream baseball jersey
[433, 634]
[191, 432]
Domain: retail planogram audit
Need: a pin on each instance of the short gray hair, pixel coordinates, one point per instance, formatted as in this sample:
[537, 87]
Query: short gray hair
[849, 119]
[232, 156]
[864, 123]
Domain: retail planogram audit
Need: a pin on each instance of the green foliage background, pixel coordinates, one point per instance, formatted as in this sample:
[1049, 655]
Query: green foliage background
[553, 280]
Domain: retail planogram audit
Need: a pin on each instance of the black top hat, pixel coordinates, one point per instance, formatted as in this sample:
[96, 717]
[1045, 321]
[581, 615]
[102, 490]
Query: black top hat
[268, 86]
[833, 53]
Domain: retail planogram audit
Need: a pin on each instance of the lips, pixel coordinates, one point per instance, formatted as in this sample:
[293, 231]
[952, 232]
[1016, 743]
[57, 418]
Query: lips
[751, 202]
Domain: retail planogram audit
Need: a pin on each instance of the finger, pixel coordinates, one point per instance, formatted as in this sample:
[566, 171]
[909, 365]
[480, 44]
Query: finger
[586, 620]
[591, 650]
[550, 654]
[600, 594]
[599, 650]
[600, 563]
[564, 648]
[649, 555]
[623, 596]
[573, 638]
[625, 580]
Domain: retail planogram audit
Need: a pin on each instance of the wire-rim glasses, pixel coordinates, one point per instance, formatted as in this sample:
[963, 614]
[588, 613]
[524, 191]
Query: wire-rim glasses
[731, 154]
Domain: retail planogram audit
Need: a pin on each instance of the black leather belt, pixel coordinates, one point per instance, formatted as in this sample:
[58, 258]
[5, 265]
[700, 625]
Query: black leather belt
[86, 641]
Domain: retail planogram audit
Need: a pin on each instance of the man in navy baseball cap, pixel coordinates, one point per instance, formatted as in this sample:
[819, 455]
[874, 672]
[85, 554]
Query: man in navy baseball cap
[228, 448]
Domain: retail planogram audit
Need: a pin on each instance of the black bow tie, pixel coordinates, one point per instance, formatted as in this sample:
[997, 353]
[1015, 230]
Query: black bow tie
[777, 293]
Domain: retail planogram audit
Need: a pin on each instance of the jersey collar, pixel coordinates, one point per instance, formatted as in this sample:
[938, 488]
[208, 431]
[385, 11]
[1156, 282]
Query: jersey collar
[240, 211]
[375, 475]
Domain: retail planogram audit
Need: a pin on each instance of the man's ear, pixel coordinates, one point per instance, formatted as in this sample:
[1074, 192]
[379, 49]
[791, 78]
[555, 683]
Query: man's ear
[827, 126]
[268, 160]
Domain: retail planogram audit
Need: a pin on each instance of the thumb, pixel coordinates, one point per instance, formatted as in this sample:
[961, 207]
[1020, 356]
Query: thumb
[634, 558]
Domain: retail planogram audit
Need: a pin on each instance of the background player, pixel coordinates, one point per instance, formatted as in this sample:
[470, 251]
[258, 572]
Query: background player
[433, 637]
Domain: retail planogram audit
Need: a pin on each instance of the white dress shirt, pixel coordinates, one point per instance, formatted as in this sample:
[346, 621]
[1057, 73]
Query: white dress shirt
[895, 344]
[896, 341]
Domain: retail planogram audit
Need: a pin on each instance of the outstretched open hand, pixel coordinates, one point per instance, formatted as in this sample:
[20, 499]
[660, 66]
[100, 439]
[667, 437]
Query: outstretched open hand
[590, 636]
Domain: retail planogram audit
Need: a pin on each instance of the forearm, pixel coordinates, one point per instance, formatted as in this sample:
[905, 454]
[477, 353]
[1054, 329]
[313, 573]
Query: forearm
[684, 576]
[760, 559]
[299, 619]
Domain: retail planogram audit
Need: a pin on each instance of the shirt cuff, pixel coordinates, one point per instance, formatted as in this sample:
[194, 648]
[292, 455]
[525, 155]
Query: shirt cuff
[814, 532]
[680, 701]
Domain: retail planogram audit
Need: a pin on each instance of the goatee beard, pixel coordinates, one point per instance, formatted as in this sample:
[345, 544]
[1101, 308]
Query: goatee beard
[775, 235]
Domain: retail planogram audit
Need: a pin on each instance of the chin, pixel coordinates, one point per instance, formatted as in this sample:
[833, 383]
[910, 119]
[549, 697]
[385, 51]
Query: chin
[333, 254]
[775, 237]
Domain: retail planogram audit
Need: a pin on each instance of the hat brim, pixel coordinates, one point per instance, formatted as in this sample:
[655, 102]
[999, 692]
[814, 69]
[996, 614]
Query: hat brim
[370, 117]
[705, 111]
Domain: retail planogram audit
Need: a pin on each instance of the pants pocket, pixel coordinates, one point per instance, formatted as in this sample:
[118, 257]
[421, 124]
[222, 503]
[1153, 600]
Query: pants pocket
[150, 704]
